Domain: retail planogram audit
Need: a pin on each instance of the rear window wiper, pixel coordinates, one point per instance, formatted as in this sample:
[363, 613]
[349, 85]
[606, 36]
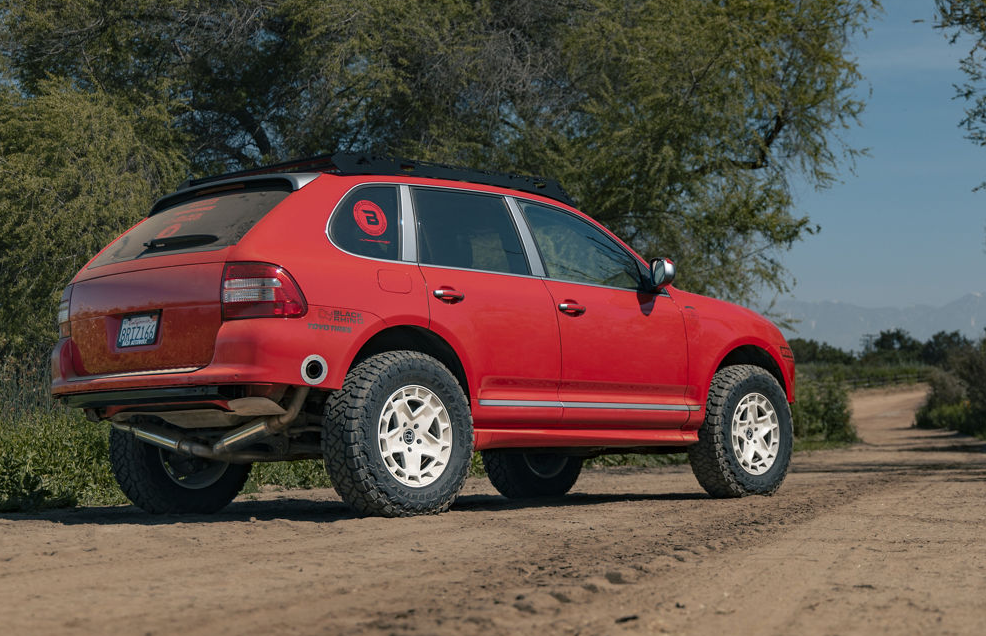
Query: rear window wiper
[180, 241]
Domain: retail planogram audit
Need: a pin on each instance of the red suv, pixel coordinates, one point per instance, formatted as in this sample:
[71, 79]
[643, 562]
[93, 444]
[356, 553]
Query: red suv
[391, 317]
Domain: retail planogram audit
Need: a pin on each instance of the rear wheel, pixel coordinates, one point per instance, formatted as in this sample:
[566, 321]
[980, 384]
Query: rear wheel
[518, 475]
[160, 482]
[397, 438]
[744, 445]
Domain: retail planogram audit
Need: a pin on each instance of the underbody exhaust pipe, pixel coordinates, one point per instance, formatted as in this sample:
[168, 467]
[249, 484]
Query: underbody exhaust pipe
[226, 448]
[262, 426]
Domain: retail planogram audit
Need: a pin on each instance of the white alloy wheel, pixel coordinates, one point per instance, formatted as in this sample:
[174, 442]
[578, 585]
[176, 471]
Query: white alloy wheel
[415, 436]
[755, 434]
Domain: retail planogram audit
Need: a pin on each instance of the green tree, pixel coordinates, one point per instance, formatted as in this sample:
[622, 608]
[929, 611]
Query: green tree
[679, 124]
[813, 351]
[892, 346]
[76, 169]
[942, 346]
[968, 18]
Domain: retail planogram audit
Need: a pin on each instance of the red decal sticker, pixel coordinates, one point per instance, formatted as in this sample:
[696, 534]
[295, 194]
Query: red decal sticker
[169, 231]
[370, 218]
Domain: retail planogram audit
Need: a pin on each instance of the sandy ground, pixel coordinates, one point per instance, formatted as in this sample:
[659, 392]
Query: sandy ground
[884, 537]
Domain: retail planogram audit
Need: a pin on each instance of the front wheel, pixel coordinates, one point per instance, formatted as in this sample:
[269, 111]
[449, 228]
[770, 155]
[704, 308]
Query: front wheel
[744, 445]
[518, 475]
[397, 437]
[161, 482]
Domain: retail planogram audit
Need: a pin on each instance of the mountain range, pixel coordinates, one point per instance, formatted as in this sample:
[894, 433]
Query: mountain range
[843, 325]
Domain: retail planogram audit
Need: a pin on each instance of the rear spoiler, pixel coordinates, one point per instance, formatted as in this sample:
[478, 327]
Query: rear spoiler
[293, 181]
[342, 163]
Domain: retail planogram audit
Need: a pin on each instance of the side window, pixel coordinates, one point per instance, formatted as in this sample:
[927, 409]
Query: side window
[367, 223]
[574, 250]
[472, 231]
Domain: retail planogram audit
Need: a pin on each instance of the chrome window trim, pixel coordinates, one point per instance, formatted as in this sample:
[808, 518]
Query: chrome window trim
[592, 405]
[409, 225]
[479, 271]
[534, 261]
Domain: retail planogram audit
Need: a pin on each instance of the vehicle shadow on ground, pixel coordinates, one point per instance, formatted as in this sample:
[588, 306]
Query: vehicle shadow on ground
[901, 468]
[287, 509]
[487, 503]
[317, 511]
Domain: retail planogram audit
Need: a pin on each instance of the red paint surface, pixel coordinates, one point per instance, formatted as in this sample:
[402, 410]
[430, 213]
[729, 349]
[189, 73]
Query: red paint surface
[512, 341]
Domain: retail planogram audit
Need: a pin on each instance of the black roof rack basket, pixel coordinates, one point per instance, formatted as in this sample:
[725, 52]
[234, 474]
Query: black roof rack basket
[342, 163]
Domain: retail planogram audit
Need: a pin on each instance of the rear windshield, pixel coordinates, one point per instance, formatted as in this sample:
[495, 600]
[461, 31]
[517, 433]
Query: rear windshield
[208, 222]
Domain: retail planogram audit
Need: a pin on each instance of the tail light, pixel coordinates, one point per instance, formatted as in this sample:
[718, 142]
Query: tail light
[64, 326]
[260, 290]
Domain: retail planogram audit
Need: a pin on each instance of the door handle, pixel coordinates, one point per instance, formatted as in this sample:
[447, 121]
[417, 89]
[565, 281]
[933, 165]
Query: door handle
[448, 295]
[572, 309]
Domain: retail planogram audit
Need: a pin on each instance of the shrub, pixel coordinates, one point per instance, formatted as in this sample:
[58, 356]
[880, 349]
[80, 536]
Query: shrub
[957, 399]
[309, 473]
[955, 417]
[54, 458]
[821, 411]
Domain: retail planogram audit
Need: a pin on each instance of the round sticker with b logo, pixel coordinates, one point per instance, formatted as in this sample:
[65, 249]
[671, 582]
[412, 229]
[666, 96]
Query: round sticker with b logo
[369, 217]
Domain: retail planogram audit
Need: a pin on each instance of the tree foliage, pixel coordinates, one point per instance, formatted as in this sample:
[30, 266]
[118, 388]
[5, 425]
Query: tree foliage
[679, 124]
[968, 18]
[808, 351]
[76, 170]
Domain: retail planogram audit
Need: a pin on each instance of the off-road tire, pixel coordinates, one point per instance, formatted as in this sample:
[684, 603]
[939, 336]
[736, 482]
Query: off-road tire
[518, 475]
[351, 447]
[139, 470]
[713, 459]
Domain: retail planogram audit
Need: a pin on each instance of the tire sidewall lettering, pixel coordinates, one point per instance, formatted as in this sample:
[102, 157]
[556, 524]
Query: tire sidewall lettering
[777, 399]
[461, 439]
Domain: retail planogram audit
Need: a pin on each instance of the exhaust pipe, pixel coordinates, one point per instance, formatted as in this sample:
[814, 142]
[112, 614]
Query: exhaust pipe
[225, 448]
[314, 369]
[262, 426]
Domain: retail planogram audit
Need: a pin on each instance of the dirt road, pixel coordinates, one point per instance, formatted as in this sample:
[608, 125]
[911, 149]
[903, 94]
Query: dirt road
[885, 537]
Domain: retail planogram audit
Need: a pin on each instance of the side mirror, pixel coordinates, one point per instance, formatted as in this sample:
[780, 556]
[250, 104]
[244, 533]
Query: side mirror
[661, 272]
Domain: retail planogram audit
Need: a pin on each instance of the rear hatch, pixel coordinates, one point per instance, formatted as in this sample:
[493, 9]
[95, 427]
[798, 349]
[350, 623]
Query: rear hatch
[151, 300]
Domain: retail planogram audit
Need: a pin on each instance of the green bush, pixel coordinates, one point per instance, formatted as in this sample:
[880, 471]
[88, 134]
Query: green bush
[54, 458]
[309, 473]
[957, 400]
[955, 417]
[821, 411]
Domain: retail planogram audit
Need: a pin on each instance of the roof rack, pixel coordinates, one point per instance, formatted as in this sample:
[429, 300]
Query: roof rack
[343, 163]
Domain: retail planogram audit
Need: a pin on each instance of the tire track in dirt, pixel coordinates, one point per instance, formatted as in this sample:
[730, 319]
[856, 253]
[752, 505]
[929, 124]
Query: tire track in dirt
[630, 551]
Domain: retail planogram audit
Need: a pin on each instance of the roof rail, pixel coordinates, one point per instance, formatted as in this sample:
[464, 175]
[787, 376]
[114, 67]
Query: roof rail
[343, 163]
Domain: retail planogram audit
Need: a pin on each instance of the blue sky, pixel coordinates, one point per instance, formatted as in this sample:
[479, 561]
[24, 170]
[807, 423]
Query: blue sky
[906, 229]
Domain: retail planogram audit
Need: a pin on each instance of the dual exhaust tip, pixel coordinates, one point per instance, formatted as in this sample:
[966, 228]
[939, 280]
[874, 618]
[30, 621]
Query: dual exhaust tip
[313, 371]
[228, 447]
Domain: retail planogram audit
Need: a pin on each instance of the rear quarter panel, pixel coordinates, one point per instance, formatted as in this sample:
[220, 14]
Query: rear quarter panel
[350, 298]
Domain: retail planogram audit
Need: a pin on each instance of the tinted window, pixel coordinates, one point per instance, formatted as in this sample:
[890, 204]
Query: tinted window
[472, 231]
[367, 223]
[208, 222]
[574, 250]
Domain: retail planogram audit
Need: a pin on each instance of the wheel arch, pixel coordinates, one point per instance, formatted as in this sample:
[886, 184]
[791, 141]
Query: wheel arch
[757, 356]
[414, 338]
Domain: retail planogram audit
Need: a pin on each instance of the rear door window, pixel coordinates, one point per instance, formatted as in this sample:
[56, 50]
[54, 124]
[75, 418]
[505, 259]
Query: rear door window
[366, 223]
[207, 222]
[468, 231]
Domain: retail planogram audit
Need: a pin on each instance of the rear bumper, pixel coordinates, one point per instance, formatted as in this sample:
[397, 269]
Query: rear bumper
[247, 352]
[158, 396]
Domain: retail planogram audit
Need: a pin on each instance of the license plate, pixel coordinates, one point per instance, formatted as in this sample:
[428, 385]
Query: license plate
[137, 330]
